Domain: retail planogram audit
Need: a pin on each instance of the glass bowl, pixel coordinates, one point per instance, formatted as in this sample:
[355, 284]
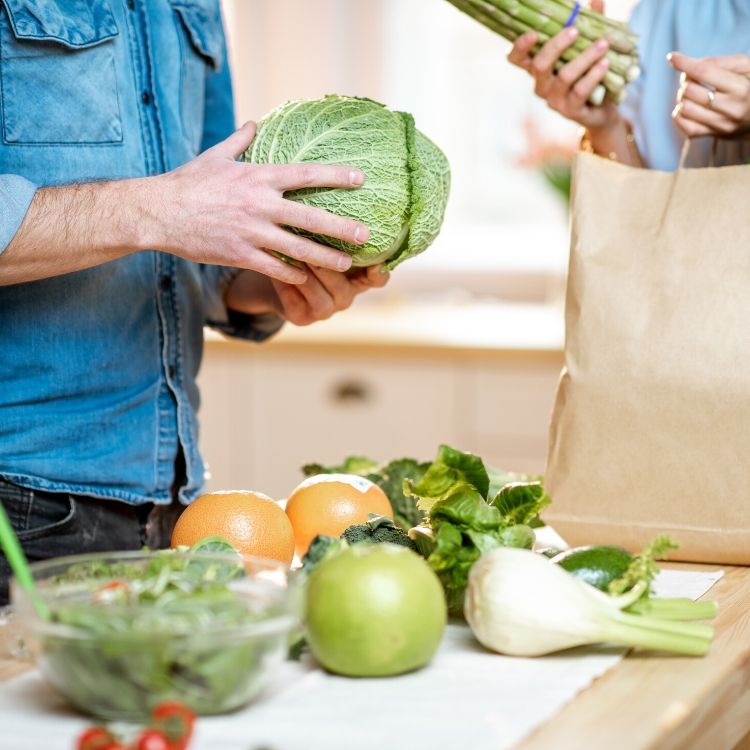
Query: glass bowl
[121, 632]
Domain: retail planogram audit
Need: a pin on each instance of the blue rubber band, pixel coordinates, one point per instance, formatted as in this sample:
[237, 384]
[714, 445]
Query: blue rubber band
[573, 16]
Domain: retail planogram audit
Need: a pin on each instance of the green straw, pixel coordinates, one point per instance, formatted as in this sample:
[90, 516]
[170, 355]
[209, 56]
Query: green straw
[19, 564]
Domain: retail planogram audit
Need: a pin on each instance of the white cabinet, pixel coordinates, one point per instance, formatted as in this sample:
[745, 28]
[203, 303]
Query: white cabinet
[269, 409]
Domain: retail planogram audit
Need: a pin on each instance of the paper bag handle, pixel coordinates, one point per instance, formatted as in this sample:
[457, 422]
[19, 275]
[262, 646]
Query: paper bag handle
[686, 150]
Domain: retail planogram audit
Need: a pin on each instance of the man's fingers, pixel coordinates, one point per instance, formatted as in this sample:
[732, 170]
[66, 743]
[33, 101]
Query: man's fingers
[320, 221]
[236, 144]
[339, 286]
[303, 249]
[295, 176]
[598, 6]
[520, 53]
[293, 305]
[264, 262]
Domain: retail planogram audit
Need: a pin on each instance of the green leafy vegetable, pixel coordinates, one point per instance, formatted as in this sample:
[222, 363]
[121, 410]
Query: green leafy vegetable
[320, 548]
[378, 530]
[464, 523]
[407, 181]
[129, 634]
[643, 569]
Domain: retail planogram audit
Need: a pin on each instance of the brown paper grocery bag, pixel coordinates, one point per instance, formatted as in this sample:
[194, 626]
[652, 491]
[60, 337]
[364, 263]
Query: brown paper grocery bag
[650, 431]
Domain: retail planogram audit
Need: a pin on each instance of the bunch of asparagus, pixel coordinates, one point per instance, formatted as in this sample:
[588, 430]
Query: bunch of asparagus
[513, 18]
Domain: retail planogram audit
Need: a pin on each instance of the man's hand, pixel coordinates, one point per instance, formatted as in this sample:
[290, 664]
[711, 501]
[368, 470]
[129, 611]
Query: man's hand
[323, 294]
[714, 95]
[212, 210]
[218, 210]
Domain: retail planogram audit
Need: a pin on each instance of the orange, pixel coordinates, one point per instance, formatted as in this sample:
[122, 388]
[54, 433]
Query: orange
[331, 503]
[250, 521]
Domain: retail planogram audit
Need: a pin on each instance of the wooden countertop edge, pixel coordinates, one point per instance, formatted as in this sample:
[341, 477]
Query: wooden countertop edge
[672, 702]
[399, 348]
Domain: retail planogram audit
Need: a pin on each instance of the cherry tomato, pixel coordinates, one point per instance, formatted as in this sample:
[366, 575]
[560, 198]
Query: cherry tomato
[176, 721]
[109, 591]
[153, 739]
[95, 738]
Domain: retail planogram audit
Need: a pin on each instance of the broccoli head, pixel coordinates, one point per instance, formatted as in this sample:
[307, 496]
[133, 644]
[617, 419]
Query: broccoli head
[377, 530]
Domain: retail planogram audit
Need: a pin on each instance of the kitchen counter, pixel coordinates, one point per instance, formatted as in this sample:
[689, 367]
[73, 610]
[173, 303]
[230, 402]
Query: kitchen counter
[651, 701]
[448, 325]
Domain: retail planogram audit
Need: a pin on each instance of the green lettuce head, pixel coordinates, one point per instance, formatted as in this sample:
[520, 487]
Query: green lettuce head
[407, 176]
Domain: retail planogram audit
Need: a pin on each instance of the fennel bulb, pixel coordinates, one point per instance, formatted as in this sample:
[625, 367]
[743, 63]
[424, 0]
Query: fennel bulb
[520, 604]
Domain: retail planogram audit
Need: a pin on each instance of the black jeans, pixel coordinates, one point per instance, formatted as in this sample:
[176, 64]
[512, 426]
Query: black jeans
[53, 524]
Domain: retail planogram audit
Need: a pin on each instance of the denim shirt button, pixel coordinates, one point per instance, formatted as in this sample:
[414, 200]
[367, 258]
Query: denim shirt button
[131, 4]
[146, 97]
[170, 371]
[165, 283]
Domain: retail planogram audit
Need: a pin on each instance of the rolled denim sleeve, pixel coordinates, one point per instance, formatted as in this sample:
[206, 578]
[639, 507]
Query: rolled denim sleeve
[216, 281]
[16, 194]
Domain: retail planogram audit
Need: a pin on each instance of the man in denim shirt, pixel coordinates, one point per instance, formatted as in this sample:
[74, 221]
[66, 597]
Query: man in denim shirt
[117, 244]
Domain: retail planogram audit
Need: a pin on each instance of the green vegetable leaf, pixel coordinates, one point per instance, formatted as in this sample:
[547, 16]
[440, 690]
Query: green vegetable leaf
[465, 506]
[449, 470]
[521, 502]
[406, 513]
[643, 569]
[363, 467]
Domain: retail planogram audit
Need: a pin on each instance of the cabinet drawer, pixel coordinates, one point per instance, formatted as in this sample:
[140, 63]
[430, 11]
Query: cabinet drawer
[514, 400]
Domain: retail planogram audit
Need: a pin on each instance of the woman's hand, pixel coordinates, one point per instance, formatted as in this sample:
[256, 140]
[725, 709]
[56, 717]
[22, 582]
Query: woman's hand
[714, 95]
[324, 293]
[567, 91]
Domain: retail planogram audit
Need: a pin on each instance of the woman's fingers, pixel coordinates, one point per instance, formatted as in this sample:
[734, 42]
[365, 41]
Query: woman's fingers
[520, 54]
[583, 64]
[584, 88]
[543, 64]
[710, 73]
[715, 122]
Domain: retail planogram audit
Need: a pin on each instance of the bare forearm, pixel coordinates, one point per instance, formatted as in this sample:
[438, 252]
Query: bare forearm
[75, 227]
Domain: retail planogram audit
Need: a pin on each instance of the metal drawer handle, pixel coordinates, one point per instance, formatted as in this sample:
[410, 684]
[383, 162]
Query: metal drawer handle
[351, 392]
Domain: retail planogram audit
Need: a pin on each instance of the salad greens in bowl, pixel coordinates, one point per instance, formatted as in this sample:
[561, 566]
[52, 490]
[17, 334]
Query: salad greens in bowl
[128, 630]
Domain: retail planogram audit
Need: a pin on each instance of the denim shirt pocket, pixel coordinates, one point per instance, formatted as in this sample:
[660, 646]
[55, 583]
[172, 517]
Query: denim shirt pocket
[201, 38]
[58, 82]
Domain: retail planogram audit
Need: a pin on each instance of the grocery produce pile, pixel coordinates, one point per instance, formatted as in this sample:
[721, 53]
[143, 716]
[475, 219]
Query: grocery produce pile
[388, 552]
[477, 535]
[513, 18]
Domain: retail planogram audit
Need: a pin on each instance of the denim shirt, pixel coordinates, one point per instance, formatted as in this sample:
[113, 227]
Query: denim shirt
[98, 367]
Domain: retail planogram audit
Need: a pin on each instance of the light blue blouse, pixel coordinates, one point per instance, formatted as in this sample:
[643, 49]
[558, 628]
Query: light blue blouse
[699, 28]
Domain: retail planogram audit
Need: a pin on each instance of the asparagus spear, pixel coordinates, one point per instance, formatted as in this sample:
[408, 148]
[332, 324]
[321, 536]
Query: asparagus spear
[511, 18]
[613, 82]
[592, 26]
[597, 95]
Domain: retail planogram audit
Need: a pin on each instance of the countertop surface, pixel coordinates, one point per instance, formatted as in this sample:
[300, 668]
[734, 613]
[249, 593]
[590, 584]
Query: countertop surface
[448, 326]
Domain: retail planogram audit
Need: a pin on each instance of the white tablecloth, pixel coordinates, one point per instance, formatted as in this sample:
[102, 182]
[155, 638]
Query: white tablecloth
[466, 699]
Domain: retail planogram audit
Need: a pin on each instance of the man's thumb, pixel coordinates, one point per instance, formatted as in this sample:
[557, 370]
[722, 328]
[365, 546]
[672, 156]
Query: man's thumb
[237, 143]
